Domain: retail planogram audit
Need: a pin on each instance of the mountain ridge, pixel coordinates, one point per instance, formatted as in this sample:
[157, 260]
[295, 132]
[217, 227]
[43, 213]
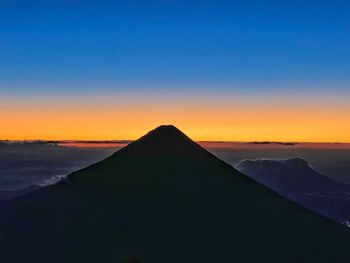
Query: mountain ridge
[296, 179]
[164, 200]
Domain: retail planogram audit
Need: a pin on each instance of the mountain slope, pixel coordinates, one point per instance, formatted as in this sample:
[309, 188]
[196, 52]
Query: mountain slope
[295, 179]
[163, 198]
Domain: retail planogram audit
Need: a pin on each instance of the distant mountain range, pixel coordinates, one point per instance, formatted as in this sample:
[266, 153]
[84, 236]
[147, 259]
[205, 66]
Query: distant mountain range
[163, 198]
[295, 179]
[268, 142]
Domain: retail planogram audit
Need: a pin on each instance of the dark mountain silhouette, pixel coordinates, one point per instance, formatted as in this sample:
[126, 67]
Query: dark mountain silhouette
[163, 198]
[295, 179]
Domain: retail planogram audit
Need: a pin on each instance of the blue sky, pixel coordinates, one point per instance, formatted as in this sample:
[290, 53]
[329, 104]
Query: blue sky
[106, 46]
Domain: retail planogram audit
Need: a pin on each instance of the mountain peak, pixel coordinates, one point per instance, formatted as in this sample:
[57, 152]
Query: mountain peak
[166, 140]
[169, 130]
[166, 126]
[165, 134]
[293, 163]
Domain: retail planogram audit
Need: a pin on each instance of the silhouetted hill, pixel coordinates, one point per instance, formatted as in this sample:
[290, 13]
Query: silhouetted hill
[161, 199]
[295, 179]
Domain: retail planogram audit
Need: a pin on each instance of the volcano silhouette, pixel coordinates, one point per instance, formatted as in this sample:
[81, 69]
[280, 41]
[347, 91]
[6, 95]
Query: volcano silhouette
[164, 199]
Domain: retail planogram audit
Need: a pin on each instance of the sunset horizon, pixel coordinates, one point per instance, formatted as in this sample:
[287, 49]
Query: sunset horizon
[208, 116]
[221, 72]
[177, 131]
[210, 120]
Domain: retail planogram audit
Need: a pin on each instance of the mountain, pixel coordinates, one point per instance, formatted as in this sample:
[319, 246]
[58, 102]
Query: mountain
[295, 179]
[163, 198]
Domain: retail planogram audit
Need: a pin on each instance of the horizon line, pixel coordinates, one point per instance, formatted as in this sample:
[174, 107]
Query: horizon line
[131, 140]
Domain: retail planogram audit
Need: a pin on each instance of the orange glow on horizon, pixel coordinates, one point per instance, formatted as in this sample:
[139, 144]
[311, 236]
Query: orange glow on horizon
[202, 119]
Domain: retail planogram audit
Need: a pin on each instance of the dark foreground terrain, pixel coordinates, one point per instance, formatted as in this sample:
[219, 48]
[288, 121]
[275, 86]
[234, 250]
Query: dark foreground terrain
[162, 199]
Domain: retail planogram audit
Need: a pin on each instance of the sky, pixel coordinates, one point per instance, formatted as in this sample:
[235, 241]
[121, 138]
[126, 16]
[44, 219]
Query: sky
[219, 70]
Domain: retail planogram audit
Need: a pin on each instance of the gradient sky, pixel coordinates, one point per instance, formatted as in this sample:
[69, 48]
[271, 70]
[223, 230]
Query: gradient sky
[219, 70]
